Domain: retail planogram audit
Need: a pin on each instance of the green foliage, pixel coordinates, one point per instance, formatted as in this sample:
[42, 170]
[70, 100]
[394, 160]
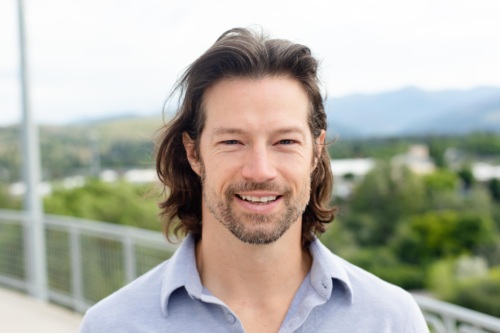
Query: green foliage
[442, 234]
[482, 143]
[103, 274]
[10, 154]
[7, 201]
[437, 149]
[466, 176]
[441, 181]
[68, 150]
[126, 153]
[480, 294]
[381, 200]
[339, 239]
[440, 278]
[382, 262]
[376, 148]
[496, 214]
[12, 251]
[475, 200]
[478, 144]
[494, 188]
[120, 203]
[445, 275]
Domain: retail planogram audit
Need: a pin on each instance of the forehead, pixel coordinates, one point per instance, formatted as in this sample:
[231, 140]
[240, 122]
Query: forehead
[271, 101]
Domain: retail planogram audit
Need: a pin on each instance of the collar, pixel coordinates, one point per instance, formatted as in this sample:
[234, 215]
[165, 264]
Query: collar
[181, 272]
[328, 272]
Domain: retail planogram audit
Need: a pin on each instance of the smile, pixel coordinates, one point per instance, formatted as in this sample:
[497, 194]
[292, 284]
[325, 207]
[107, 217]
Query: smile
[254, 199]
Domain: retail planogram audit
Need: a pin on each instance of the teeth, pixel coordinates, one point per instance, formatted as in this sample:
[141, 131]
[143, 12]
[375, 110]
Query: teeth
[258, 199]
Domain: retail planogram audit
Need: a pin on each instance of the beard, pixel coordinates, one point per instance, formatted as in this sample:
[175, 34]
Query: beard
[257, 228]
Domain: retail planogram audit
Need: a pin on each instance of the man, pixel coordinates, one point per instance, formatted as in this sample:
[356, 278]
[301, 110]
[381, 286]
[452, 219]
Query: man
[249, 182]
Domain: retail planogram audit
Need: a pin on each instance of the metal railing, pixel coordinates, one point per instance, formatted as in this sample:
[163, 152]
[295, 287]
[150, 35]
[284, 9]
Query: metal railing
[88, 260]
[444, 317]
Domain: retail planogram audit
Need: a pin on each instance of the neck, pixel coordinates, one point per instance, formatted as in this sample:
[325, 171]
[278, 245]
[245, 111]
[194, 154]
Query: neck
[233, 270]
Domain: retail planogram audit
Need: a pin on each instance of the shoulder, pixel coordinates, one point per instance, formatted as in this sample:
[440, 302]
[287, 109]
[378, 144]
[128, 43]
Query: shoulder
[372, 298]
[115, 312]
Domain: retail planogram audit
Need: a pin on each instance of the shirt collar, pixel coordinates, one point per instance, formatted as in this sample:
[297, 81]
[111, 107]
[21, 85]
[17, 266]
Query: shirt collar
[328, 272]
[181, 271]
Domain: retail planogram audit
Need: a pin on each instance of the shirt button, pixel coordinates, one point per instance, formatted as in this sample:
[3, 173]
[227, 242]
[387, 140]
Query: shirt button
[230, 318]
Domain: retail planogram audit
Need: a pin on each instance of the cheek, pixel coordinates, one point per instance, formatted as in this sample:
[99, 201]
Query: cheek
[299, 175]
[218, 175]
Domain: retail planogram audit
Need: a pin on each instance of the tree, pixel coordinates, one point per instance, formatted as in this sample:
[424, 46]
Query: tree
[434, 235]
[120, 203]
[494, 187]
[385, 195]
[441, 181]
[467, 177]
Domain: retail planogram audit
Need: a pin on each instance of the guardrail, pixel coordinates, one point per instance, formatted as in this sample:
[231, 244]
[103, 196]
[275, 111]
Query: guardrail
[444, 317]
[88, 260]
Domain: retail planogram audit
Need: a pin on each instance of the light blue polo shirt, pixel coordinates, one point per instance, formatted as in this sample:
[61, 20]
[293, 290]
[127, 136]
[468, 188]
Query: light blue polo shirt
[336, 296]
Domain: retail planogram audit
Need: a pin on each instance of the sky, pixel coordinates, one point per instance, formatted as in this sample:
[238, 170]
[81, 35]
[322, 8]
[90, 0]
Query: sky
[101, 58]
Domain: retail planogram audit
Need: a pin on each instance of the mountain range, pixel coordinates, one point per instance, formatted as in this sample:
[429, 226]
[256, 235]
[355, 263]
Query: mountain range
[412, 111]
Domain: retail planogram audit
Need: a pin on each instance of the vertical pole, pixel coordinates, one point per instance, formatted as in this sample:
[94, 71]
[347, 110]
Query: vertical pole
[129, 259]
[76, 269]
[34, 229]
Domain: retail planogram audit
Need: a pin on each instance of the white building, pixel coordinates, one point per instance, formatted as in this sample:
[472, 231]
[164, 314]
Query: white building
[417, 159]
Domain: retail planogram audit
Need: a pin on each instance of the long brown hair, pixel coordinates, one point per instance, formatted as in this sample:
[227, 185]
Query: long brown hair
[237, 53]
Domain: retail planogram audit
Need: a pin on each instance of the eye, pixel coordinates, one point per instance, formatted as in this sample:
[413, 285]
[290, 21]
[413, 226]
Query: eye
[286, 142]
[230, 142]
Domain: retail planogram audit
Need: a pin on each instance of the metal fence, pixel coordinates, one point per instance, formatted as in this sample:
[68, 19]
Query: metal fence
[88, 260]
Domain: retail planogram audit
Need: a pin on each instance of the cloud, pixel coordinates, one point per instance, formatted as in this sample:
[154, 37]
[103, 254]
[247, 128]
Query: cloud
[90, 58]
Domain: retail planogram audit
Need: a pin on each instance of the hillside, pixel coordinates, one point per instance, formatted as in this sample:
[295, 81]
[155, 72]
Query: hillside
[412, 111]
[67, 150]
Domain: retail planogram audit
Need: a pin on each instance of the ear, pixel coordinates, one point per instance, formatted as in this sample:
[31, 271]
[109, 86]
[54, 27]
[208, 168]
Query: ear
[320, 141]
[192, 157]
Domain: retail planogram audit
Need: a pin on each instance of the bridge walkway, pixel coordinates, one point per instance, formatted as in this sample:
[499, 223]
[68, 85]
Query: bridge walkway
[20, 313]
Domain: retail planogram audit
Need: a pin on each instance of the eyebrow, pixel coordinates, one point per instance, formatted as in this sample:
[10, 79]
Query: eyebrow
[226, 130]
[231, 130]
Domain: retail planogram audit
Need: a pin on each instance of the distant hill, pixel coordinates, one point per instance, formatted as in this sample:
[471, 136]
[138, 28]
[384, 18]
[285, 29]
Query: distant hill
[412, 111]
[479, 117]
[112, 130]
[123, 142]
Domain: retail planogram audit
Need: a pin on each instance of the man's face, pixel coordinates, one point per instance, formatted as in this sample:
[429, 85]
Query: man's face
[256, 156]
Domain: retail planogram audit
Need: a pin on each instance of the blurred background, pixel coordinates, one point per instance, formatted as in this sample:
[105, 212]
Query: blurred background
[413, 101]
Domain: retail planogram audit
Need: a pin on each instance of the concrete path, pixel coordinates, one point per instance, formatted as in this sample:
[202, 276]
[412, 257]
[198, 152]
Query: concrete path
[20, 313]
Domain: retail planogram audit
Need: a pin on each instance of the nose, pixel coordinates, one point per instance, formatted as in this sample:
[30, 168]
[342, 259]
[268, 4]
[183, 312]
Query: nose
[259, 165]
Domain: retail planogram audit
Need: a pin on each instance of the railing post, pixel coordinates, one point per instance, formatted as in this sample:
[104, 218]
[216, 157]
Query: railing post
[450, 323]
[76, 269]
[129, 258]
